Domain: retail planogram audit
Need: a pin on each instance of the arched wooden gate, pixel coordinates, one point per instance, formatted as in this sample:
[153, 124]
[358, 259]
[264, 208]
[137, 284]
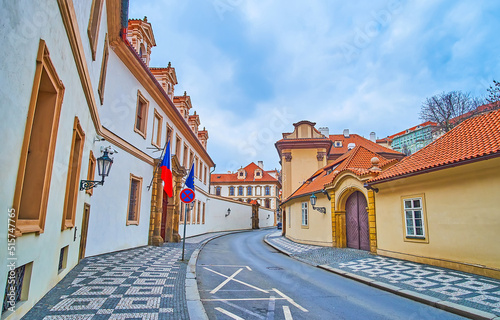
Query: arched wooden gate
[357, 231]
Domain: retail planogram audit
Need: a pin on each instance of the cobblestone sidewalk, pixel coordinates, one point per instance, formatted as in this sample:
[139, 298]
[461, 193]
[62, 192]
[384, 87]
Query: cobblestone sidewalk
[461, 288]
[146, 283]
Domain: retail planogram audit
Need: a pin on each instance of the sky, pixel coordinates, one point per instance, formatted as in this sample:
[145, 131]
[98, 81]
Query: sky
[255, 67]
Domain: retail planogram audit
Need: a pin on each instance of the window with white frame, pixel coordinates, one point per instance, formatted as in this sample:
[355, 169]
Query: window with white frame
[231, 191]
[240, 191]
[268, 191]
[305, 216]
[414, 218]
[249, 191]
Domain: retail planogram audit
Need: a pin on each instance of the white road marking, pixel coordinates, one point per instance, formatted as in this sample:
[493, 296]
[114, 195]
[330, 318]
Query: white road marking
[258, 316]
[287, 313]
[226, 281]
[227, 265]
[229, 314]
[290, 300]
[271, 307]
[243, 299]
[244, 283]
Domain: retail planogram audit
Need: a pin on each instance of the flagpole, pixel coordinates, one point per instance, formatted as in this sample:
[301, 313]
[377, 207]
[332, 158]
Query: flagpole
[158, 164]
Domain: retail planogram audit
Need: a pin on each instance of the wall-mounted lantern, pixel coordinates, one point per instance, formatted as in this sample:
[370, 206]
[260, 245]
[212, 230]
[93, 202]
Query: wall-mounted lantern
[228, 212]
[103, 166]
[313, 203]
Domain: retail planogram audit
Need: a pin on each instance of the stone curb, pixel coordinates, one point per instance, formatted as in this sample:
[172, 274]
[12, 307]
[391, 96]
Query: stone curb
[422, 298]
[195, 307]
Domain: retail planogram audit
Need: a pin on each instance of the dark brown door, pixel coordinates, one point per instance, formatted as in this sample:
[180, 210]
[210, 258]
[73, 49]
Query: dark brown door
[357, 232]
[164, 215]
[85, 228]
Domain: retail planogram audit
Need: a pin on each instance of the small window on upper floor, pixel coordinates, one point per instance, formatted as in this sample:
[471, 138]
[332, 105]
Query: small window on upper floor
[141, 115]
[217, 191]
[94, 22]
[157, 126]
[338, 144]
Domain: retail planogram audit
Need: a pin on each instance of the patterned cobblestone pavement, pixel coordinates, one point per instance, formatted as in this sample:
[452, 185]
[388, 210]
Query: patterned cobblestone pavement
[146, 283]
[466, 289]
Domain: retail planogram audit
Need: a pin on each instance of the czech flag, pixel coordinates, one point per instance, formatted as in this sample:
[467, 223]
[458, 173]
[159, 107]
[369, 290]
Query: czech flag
[190, 178]
[166, 172]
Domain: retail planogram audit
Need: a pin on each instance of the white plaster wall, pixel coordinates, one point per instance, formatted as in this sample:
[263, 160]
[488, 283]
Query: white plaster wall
[24, 24]
[266, 217]
[108, 229]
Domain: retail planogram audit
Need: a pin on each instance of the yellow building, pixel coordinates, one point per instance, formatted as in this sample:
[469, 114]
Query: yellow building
[439, 205]
[344, 213]
[307, 150]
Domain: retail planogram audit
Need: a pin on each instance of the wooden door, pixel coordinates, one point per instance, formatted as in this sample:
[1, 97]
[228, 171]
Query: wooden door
[85, 228]
[357, 232]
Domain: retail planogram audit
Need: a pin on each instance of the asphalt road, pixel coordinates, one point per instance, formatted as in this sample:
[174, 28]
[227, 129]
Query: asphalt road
[240, 277]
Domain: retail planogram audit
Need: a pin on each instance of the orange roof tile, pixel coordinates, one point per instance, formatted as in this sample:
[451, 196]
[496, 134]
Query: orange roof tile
[356, 160]
[250, 170]
[358, 141]
[472, 140]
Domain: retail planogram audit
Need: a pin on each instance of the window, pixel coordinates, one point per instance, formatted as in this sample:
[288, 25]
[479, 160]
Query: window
[17, 288]
[91, 171]
[191, 158]
[240, 191]
[200, 175]
[203, 214]
[231, 191]
[267, 203]
[205, 175]
[37, 152]
[217, 191]
[414, 219]
[258, 191]
[194, 213]
[178, 147]
[72, 182]
[63, 259]
[93, 28]
[141, 115]
[185, 155]
[196, 167]
[157, 126]
[198, 220]
[305, 217]
[267, 191]
[169, 132]
[134, 203]
[257, 173]
[104, 67]
[249, 191]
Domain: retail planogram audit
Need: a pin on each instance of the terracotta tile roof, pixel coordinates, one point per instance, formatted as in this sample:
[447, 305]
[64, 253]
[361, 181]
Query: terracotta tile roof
[358, 141]
[472, 140]
[389, 138]
[250, 178]
[357, 161]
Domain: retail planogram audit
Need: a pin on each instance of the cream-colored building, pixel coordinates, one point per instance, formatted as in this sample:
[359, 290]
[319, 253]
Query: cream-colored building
[439, 205]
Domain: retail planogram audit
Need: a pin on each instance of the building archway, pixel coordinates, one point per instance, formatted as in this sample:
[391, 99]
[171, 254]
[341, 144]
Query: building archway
[357, 230]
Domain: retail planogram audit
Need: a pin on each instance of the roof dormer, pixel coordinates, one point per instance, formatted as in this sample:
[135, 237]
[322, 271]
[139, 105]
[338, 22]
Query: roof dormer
[203, 137]
[167, 79]
[140, 35]
[194, 122]
[241, 174]
[183, 103]
[257, 174]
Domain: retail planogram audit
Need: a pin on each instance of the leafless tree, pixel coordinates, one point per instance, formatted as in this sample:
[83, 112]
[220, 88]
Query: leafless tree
[449, 108]
[494, 91]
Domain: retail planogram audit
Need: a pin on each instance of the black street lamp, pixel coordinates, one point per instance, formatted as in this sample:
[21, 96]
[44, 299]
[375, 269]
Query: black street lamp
[103, 166]
[228, 212]
[313, 199]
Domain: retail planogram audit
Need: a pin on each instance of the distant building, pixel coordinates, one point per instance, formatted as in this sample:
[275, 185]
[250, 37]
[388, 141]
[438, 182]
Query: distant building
[247, 184]
[411, 140]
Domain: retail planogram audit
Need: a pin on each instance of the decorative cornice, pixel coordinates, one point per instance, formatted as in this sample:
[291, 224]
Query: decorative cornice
[321, 155]
[287, 156]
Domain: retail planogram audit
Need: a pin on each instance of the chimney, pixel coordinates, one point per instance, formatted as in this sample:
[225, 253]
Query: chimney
[346, 133]
[325, 131]
[373, 136]
[261, 164]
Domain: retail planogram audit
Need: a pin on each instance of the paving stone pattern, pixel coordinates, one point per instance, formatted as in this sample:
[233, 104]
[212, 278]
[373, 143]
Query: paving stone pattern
[146, 283]
[458, 287]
